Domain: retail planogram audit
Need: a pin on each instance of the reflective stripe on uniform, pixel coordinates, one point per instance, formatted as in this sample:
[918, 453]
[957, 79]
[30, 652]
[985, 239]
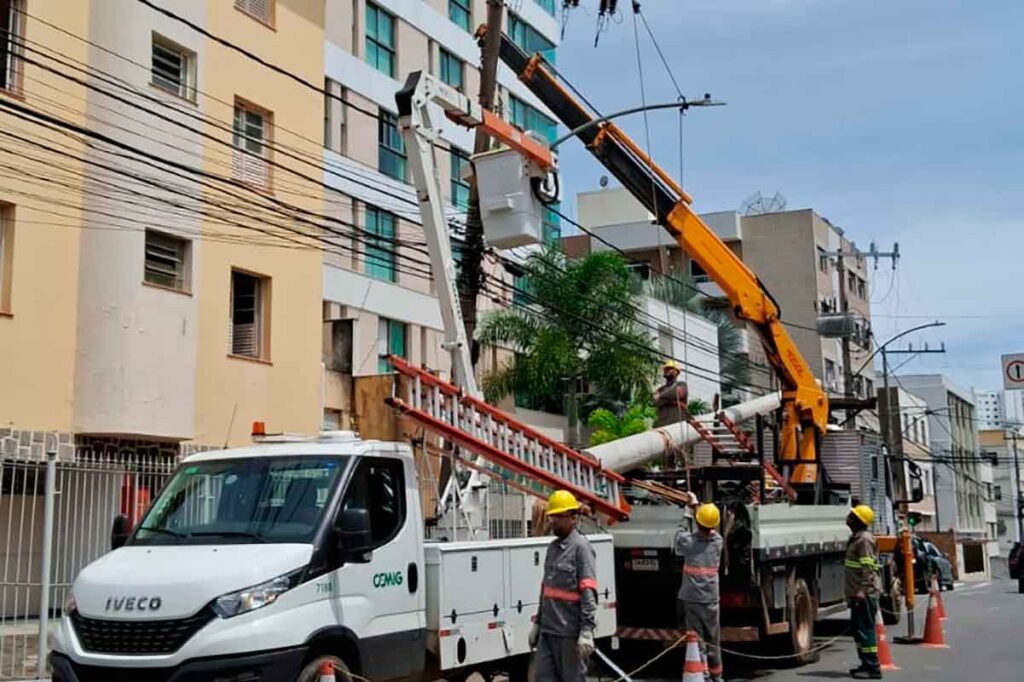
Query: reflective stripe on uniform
[588, 584]
[559, 594]
[700, 570]
[869, 649]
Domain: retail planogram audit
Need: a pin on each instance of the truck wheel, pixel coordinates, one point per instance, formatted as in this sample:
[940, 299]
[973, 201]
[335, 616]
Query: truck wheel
[801, 623]
[890, 604]
[311, 673]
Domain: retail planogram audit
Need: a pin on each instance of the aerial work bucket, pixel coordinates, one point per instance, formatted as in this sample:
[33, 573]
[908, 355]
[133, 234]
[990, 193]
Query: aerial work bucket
[513, 192]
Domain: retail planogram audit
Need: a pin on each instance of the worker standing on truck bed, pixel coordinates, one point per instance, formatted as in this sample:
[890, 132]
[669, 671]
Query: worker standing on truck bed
[862, 590]
[697, 607]
[563, 632]
[670, 398]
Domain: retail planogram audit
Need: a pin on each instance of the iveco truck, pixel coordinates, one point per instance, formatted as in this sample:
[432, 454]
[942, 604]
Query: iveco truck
[258, 564]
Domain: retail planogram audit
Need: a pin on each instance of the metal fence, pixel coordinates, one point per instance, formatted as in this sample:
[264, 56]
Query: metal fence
[55, 518]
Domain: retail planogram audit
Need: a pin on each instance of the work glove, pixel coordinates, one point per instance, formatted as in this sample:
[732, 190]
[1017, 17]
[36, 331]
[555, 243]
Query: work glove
[585, 645]
[534, 635]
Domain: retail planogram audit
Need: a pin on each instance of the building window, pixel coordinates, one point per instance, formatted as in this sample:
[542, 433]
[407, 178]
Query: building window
[460, 186]
[391, 340]
[822, 260]
[250, 307]
[334, 116]
[861, 289]
[380, 39]
[391, 148]
[251, 141]
[380, 247]
[869, 388]
[452, 70]
[459, 12]
[547, 5]
[697, 272]
[830, 374]
[12, 24]
[529, 39]
[173, 68]
[6, 256]
[260, 10]
[526, 117]
[167, 261]
[997, 492]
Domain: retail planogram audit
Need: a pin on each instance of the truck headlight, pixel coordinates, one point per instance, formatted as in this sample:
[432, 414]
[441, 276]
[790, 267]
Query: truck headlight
[255, 597]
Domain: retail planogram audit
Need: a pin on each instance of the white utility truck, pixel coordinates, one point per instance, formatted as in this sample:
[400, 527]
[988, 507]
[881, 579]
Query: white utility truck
[260, 563]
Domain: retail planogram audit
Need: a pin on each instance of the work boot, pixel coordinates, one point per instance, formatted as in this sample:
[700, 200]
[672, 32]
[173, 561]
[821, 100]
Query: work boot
[866, 674]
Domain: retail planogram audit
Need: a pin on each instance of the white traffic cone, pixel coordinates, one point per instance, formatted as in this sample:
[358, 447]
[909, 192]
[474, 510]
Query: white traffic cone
[694, 668]
[326, 672]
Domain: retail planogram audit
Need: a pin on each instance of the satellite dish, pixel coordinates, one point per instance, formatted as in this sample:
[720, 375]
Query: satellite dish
[758, 204]
[603, 181]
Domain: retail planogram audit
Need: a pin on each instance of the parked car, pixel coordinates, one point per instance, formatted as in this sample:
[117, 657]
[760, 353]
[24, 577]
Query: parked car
[930, 561]
[1016, 564]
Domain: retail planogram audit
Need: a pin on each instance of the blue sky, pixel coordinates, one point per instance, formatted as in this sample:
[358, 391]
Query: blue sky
[899, 120]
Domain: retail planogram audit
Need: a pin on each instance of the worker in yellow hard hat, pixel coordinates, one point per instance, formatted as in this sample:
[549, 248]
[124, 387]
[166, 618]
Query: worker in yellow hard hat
[862, 590]
[697, 605]
[563, 631]
[670, 398]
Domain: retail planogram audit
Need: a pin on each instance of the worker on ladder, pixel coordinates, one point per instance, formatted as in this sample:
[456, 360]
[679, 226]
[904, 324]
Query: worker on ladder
[697, 606]
[671, 397]
[862, 590]
[563, 630]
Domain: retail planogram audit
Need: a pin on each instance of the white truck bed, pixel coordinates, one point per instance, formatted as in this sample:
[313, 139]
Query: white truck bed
[482, 596]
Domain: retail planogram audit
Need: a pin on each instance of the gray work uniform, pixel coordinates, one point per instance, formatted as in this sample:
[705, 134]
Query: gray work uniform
[670, 404]
[862, 576]
[697, 607]
[568, 606]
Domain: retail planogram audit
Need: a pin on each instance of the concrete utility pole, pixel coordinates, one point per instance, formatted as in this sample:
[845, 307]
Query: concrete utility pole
[844, 305]
[472, 259]
[1017, 508]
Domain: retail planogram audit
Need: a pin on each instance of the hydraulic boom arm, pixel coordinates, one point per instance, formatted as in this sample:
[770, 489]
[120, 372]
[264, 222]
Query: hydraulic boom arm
[804, 403]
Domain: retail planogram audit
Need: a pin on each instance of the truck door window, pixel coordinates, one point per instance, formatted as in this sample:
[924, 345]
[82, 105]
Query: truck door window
[378, 487]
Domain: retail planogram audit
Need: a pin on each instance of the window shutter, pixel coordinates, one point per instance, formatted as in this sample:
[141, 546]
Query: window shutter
[259, 9]
[244, 340]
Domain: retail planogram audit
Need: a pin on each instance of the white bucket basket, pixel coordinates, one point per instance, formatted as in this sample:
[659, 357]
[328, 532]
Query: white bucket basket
[512, 214]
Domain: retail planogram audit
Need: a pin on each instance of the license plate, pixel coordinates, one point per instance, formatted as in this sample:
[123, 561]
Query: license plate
[645, 564]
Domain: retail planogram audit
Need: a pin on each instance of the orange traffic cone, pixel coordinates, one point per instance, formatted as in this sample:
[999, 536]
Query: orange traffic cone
[326, 672]
[933, 627]
[937, 590]
[694, 668]
[884, 653]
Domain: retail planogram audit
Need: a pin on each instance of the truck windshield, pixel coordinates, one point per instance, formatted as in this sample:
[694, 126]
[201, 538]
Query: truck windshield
[242, 501]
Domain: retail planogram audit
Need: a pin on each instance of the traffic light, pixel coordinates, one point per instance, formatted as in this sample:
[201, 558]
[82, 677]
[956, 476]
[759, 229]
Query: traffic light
[913, 518]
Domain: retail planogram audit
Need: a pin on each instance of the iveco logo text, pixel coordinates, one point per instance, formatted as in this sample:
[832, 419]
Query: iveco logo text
[141, 603]
[387, 579]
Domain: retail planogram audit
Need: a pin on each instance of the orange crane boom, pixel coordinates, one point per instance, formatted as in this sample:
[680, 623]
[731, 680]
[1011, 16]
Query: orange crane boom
[804, 403]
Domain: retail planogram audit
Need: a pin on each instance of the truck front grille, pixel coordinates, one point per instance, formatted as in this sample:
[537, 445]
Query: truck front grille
[137, 637]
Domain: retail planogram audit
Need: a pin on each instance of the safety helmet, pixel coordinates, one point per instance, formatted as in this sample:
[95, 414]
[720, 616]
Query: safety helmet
[865, 513]
[560, 502]
[708, 515]
[670, 364]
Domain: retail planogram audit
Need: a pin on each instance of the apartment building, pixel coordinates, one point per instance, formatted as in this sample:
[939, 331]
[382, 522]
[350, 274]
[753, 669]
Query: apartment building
[915, 439]
[158, 291]
[991, 411]
[378, 297]
[791, 252]
[960, 473]
[1004, 448]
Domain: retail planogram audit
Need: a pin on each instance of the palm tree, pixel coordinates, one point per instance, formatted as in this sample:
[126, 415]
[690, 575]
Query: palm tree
[577, 324]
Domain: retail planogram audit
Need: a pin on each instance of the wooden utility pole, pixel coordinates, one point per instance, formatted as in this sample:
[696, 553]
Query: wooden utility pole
[471, 275]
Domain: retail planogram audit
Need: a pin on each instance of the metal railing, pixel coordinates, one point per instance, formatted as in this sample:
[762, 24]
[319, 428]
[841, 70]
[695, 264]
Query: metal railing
[55, 518]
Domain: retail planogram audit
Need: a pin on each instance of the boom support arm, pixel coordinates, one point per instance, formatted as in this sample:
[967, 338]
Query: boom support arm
[804, 403]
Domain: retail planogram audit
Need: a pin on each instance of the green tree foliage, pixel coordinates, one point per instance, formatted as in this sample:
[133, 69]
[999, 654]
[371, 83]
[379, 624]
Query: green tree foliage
[578, 323]
[606, 426]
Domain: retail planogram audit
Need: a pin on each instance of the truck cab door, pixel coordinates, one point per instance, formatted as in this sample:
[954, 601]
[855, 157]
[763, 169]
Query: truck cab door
[381, 601]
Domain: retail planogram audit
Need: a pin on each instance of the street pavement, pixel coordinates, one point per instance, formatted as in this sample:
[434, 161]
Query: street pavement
[984, 631]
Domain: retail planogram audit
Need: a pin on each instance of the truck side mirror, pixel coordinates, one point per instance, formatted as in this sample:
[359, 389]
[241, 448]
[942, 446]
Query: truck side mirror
[355, 542]
[119, 532]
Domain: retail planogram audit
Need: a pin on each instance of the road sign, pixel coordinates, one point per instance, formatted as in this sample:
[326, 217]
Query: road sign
[1013, 371]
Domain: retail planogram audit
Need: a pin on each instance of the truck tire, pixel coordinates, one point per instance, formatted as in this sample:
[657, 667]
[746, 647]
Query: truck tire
[890, 604]
[311, 673]
[801, 615]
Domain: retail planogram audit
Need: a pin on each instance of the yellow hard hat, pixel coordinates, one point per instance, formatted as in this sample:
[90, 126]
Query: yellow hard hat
[561, 501]
[708, 515]
[865, 513]
[670, 364]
